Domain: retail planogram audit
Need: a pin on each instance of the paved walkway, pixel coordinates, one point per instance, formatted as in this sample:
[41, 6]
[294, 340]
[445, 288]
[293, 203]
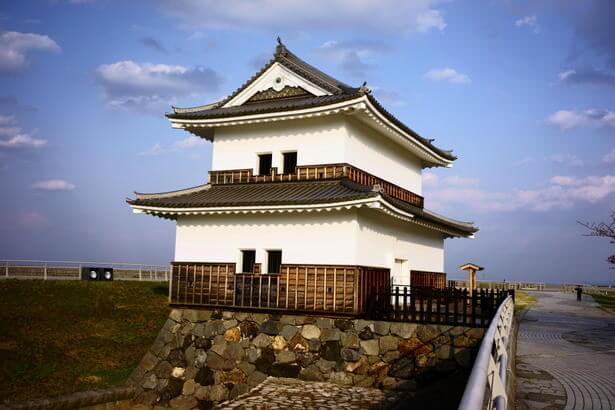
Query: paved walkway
[284, 394]
[566, 355]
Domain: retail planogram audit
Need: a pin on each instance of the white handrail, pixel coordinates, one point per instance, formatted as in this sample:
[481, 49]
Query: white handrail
[487, 382]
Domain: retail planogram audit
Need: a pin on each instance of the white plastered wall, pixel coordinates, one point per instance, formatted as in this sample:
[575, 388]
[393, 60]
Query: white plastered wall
[327, 140]
[382, 239]
[322, 238]
[382, 157]
[352, 237]
[317, 141]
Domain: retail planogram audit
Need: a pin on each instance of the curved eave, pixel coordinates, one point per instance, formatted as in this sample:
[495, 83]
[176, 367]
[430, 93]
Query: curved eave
[376, 203]
[362, 107]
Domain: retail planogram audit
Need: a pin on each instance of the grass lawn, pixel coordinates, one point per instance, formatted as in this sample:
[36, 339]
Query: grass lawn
[606, 302]
[523, 300]
[58, 337]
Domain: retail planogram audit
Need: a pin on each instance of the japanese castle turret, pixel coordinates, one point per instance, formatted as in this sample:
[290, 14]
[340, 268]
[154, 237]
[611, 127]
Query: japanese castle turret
[307, 173]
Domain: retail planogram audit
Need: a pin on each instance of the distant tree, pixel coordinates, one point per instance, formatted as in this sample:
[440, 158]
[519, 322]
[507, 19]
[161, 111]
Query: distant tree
[603, 229]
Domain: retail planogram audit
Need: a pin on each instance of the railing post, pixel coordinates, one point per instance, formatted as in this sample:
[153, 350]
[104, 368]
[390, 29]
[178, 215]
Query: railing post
[45, 272]
[6, 271]
[140, 278]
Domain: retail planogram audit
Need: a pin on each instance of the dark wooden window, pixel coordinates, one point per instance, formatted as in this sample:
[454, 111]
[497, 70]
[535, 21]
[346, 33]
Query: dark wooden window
[290, 162]
[247, 261]
[274, 261]
[264, 164]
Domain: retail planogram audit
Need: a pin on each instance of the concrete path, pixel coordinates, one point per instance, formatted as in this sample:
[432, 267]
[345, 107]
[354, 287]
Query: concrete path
[566, 355]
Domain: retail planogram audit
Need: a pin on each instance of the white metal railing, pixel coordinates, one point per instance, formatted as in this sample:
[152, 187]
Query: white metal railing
[71, 270]
[486, 386]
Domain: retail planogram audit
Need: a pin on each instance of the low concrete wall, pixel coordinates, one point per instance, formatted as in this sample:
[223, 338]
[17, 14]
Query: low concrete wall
[211, 356]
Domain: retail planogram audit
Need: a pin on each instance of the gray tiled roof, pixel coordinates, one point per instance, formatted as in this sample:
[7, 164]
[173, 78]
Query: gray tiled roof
[288, 193]
[339, 90]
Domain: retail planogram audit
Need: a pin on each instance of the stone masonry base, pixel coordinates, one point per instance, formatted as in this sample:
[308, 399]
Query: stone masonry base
[203, 357]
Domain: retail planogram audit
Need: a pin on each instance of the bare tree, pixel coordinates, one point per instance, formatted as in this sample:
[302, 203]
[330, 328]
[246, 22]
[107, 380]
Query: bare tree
[603, 229]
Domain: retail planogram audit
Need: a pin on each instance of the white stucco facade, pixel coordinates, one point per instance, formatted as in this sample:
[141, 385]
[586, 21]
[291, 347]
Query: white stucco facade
[328, 140]
[352, 237]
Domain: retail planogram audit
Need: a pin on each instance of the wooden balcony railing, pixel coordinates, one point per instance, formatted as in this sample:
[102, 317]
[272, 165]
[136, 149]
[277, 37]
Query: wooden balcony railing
[317, 172]
[448, 306]
[331, 289]
[424, 279]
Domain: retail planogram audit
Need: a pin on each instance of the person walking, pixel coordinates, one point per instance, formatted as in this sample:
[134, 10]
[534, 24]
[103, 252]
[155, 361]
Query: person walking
[579, 290]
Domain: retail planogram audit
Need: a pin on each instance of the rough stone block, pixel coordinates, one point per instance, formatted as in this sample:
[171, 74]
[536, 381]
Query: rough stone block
[248, 329]
[341, 378]
[310, 332]
[382, 328]
[426, 333]
[289, 331]
[404, 330]
[271, 327]
[350, 340]
[232, 335]
[218, 392]
[370, 347]
[349, 355]
[247, 368]
[262, 340]
[343, 324]
[278, 343]
[183, 403]
[388, 343]
[311, 373]
[215, 361]
[331, 351]
[234, 351]
[256, 378]
[202, 393]
[189, 387]
[238, 390]
[329, 335]
[366, 334]
[234, 376]
[285, 356]
[150, 381]
[324, 323]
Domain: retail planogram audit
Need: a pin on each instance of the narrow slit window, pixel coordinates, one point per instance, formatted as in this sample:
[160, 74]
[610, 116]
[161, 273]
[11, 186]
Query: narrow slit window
[248, 259]
[290, 162]
[264, 164]
[274, 261]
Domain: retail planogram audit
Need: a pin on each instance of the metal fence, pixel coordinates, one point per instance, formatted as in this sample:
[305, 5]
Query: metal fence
[71, 270]
[485, 284]
[486, 388]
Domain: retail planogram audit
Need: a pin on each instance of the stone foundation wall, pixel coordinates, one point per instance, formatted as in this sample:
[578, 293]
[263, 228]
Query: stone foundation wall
[212, 356]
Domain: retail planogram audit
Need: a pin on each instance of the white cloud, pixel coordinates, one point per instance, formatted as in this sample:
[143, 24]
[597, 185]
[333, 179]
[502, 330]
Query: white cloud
[129, 85]
[282, 15]
[609, 157]
[524, 161]
[563, 76]
[351, 55]
[447, 74]
[187, 144]
[589, 118]
[430, 179]
[14, 47]
[528, 21]
[460, 181]
[22, 141]
[566, 159]
[559, 193]
[53, 185]
[7, 119]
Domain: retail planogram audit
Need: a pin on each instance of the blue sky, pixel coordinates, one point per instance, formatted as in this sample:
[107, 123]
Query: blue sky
[522, 91]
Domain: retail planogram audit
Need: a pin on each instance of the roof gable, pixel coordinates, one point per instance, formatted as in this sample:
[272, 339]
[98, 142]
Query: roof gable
[275, 79]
